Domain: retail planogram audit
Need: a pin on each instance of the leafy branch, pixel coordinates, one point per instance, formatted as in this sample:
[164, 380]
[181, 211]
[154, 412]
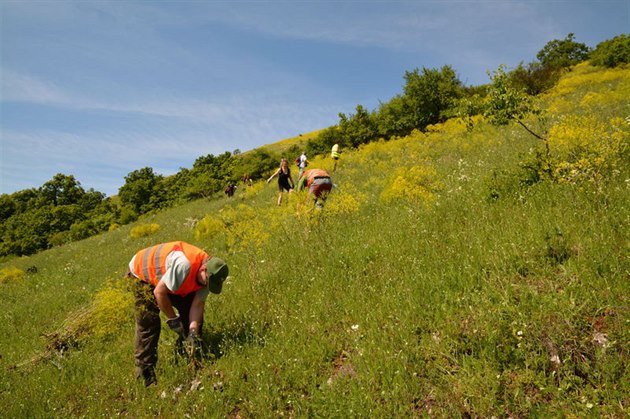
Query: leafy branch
[506, 103]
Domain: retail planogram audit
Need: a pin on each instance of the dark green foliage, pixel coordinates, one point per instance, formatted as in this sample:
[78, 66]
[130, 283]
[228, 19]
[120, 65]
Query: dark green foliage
[612, 52]
[534, 78]
[58, 212]
[62, 211]
[127, 215]
[513, 182]
[61, 190]
[508, 104]
[208, 176]
[428, 95]
[7, 207]
[357, 129]
[563, 53]
[557, 248]
[142, 190]
[257, 163]
[324, 141]
[391, 119]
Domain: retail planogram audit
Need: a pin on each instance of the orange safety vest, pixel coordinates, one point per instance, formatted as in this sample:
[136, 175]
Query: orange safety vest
[314, 173]
[150, 264]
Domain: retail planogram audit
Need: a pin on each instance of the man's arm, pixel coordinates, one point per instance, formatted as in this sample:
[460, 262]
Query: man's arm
[161, 296]
[301, 182]
[196, 314]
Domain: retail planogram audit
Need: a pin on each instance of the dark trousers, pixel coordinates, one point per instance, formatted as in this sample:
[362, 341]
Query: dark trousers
[148, 327]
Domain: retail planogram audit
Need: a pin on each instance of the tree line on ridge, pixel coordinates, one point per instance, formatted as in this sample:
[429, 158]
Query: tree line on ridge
[61, 211]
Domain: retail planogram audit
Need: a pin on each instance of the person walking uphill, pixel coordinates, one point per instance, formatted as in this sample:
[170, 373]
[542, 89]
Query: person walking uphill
[302, 162]
[319, 184]
[335, 154]
[174, 275]
[285, 180]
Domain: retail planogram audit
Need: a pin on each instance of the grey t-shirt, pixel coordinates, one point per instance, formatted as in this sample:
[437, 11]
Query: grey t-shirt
[177, 270]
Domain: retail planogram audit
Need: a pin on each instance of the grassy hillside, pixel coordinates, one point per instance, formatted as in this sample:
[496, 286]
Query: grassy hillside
[452, 273]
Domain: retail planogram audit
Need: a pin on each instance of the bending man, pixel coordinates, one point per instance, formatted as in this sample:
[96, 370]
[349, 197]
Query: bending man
[174, 275]
[318, 183]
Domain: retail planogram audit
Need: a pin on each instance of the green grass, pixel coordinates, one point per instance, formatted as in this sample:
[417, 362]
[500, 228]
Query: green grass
[460, 305]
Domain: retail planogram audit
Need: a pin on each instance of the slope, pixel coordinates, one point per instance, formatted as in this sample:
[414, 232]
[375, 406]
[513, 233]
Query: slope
[457, 272]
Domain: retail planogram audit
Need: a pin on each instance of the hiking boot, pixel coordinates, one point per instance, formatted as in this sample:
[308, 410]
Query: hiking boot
[147, 374]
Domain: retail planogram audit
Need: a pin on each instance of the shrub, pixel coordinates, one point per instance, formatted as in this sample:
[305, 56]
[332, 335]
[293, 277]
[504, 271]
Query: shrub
[209, 227]
[110, 310]
[244, 229]
[11, 274]
[612, 52]
[417, 183]
[343, 203]
[534, 78]
[584, 148]
[563, 53]
[144, 230]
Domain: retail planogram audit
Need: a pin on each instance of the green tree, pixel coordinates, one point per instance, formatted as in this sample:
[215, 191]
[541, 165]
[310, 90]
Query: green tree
[563, 53]
[61, 190]
[324, 141]
[7, 207]
[257, 163]
[27, 232]
[356, 129]
[507, 104]
[612, 52]
[534, 78]
[141, 191]
[428, 95]
[208, 175]
[391, 118]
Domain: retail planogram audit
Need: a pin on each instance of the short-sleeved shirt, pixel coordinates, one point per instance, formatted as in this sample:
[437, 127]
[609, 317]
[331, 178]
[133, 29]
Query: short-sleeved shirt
[177, 269]
[303, 159]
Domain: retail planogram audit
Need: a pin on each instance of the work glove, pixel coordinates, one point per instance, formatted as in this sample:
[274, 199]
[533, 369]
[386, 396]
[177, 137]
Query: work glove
[175, 324]
[193, 348]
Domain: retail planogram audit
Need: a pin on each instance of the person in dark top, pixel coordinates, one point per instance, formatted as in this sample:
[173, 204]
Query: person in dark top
[285, 180]
[229, 190]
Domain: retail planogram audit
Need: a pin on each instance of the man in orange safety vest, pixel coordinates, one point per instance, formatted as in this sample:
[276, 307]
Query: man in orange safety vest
[171, 276]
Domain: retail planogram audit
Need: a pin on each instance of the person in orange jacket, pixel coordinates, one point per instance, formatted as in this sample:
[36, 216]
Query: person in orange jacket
[171, 276]
[319, 184]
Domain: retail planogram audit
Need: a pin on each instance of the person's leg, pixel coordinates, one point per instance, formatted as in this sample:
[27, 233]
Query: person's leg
[320, 189]
[147, 336]
[280, 189]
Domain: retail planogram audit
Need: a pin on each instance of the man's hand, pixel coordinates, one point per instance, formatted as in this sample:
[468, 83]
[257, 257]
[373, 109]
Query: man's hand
[175, 324]
[193, 347]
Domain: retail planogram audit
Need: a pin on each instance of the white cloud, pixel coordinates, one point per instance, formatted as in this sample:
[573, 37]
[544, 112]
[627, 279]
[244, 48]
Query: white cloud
[24, 88]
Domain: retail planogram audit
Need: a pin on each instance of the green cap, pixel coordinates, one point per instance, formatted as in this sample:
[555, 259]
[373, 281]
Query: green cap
[218, 272]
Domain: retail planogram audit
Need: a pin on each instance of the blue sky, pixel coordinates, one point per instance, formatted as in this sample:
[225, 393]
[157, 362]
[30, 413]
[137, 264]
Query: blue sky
[99, 89]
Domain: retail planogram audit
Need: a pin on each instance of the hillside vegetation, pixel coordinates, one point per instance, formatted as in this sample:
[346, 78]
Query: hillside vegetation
[470, 270]
[62, 211]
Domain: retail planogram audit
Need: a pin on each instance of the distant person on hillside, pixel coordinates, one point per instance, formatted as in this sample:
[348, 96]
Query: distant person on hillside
[285, 180]
[302, 162]
[246, 180]
[335, 154]
[169, 276]
[229, 190]
[319, 184]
